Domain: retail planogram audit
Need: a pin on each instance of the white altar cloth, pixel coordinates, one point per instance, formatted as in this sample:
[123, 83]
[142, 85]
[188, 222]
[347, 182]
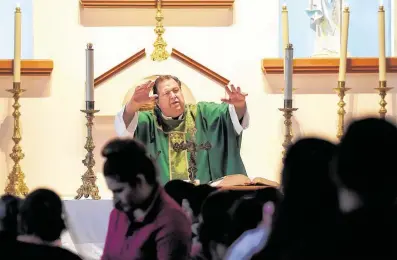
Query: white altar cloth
[87, 222]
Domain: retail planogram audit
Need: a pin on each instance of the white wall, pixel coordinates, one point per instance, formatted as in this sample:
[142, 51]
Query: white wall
[54, 130]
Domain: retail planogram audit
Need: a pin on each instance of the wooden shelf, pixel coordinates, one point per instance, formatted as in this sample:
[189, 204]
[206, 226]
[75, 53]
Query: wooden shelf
[28, 67]
[327, 65]
[153, 3]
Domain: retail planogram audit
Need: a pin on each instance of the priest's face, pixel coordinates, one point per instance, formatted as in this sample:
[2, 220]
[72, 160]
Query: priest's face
[170, 100]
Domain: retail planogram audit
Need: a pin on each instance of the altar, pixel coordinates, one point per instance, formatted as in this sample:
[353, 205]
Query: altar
[87, 222]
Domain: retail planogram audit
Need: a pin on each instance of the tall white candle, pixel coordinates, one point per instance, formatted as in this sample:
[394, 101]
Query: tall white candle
[344, 41]
[285, 25]
[382, 44]
[288, 71]
[89, 84]
[17, 45]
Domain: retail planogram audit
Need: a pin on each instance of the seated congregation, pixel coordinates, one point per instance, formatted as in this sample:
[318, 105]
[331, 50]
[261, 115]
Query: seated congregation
[335, 200]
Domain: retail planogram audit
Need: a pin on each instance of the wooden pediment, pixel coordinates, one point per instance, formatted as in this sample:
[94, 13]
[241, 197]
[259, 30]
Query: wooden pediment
[28, 67]
[178, 55]
[142, 12]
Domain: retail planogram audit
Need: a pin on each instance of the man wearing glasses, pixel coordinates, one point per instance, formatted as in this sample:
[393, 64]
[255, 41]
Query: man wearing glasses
[195, 142]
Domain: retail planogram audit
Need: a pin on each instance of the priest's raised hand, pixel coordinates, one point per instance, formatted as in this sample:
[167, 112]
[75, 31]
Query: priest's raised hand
[140, 97]
[237, 99]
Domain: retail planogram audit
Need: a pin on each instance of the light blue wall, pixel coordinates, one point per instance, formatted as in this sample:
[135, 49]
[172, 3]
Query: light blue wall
[7, 8]
[363, 29]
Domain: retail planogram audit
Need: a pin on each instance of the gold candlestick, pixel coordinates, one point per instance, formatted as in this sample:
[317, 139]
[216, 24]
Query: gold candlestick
[287, 113]
[16, 183]
[89, 188]
[383, 89]
[341, 90]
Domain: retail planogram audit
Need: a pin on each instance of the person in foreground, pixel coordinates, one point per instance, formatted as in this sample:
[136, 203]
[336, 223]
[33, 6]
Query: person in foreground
[40, 223]
[145, 223]
[200, 143]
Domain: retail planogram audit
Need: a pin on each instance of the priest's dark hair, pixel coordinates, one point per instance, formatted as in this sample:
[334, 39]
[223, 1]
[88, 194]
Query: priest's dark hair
[41, 214]
[125, 159]
[161, 78]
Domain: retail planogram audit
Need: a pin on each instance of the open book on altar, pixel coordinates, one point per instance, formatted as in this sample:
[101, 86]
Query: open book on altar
[242, 180]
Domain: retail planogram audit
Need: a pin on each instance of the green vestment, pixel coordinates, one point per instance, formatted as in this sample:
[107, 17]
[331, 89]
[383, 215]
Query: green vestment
[212, 124]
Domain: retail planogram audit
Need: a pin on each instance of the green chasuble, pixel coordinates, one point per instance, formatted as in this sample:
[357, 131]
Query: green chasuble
[203, 123]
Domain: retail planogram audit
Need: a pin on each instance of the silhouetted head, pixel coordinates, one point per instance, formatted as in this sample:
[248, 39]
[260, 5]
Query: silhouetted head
[216, 221]
[130, 173]
[307, 172]
[246, 213]
[9, 209]
[41, 215]
[170, 97]
[365, 163]
[309, 209]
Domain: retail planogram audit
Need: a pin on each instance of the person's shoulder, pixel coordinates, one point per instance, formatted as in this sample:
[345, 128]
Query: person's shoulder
[172, 212]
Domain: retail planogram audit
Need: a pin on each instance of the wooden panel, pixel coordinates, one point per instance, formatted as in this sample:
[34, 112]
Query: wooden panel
[120, 67]
[199, 67]
[327, 66]
[28, 67]
[152, 3]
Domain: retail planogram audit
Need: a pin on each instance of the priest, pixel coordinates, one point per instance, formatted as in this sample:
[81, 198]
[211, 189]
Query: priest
[199, 142]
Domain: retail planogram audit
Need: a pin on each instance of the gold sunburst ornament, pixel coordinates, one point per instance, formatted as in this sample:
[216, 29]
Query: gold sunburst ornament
[159, 53]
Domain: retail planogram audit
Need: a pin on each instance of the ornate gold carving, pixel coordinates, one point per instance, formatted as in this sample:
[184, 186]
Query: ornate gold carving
[287, 113]
[89, 188]
[341, 90]
[383, 89]
[159, 53]
[16, 183]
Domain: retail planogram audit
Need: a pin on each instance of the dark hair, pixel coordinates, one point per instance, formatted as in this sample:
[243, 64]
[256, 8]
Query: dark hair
[42, 215]
[9, 215]
[216, 220]
[179, 190]
[125, 159]
[246, 213]
[162, 78]
[366, 153]
[309, 211]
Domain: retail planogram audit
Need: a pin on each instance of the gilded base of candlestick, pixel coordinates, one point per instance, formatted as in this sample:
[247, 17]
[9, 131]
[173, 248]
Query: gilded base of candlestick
[89, 188]
[16, 179]
[383, 89]
[287, 113]
[341, 90]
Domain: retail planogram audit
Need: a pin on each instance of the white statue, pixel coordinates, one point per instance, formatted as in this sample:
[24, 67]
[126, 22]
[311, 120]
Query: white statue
[325, 20]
